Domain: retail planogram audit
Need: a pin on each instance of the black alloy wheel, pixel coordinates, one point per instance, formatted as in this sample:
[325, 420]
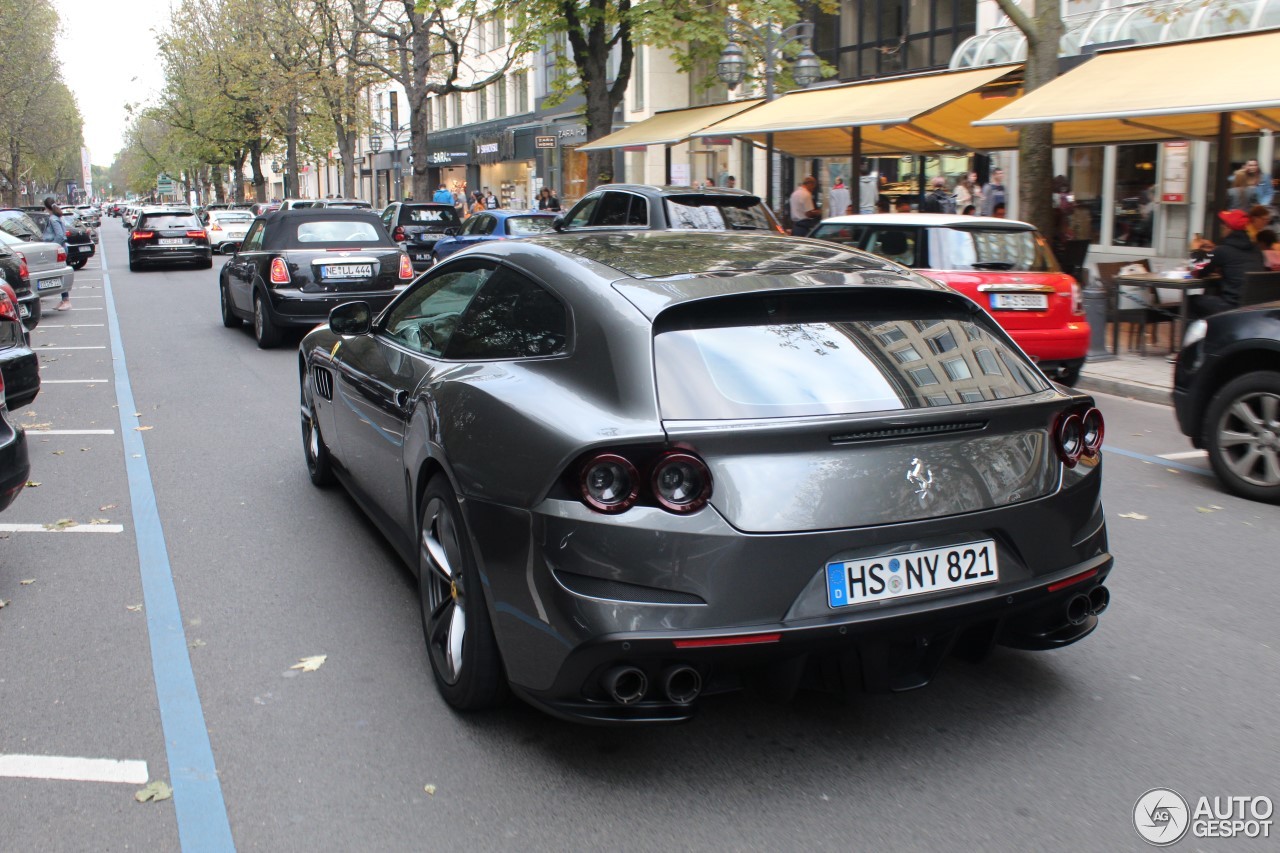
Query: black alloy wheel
[1242, 434]
[455, 620]
[265, 331]
[229, 317]
[319, 465]
[35, 309]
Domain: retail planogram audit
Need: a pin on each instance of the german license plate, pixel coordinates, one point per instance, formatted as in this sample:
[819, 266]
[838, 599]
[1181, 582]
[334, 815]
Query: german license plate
[421, 256]
[1020, 301]
[23, 311]
[49, 283]
[347, 271]
[172, 241]
[852, 582]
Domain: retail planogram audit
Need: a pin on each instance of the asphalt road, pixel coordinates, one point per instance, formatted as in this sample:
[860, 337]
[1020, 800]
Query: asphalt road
[1026, 751]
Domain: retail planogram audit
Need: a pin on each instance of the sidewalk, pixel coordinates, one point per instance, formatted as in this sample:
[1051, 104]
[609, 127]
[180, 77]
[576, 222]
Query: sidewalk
[1130, 375]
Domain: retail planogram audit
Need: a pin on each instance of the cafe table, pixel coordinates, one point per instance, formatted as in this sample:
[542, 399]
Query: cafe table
[1154, 282]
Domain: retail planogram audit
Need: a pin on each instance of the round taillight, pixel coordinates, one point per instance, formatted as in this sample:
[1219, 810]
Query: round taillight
[610, 483]
[1069, 438]
[1092, 429]
[681, 482]
[398, 234]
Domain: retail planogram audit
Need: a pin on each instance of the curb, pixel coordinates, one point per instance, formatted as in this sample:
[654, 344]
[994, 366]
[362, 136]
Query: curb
[1123, 388]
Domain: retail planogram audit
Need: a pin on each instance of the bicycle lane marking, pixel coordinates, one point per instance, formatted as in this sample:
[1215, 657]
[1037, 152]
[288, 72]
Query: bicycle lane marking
[197, 793]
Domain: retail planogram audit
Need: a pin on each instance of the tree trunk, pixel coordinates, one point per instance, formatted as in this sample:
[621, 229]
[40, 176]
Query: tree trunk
[216, 172]
[238, 189]
[1035, 147]
[255, 164]
[419, 121]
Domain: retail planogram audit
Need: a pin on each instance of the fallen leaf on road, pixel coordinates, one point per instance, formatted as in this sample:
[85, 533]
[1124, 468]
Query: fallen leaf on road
[27, 582]
[197, 643]
[59, 452]
[107, 507]
[137, 414]
[4, 602]
[1204, 509]
[32, 484]
[99, 521]
[1136, 516]
[143, 428]
[38, 426]
[310, 664]
[155, 792]
[136, 608]
[430, 789]
[62, 524]
[1214, 506]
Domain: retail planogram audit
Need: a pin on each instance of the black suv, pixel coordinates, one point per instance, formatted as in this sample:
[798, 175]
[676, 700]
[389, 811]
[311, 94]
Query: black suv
[165, 235]
[416, 226]
[668, 209]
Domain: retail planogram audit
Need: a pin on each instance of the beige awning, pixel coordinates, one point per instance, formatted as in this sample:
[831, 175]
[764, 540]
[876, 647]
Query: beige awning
[1168, 91]
[670, 127]
[917, 114]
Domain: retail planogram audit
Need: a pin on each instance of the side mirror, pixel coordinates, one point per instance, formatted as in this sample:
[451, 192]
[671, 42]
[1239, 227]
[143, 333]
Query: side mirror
[452, 232]
[351, 318]
[558, 223]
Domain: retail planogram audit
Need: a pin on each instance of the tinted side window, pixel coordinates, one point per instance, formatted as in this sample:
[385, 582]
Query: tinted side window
[485, 224]
[580, 216]
[511, 317]
[425, 319]
[897, 244]
[253, 240]
[844, 234]
[614, 208]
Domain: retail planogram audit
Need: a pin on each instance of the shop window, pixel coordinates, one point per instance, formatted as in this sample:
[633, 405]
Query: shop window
[1083, 213]
[1135, 195]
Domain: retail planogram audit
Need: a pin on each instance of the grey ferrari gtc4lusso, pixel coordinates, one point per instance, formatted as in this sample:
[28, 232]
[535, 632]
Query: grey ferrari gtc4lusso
[635, 468]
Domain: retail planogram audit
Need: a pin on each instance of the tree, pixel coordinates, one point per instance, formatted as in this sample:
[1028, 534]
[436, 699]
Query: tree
[423, 45]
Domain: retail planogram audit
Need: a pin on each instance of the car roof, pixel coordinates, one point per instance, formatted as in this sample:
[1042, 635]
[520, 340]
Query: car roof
[937, 220]
[670, 190]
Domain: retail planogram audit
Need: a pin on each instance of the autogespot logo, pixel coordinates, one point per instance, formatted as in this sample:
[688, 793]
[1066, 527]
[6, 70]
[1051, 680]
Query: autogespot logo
[1161, 816]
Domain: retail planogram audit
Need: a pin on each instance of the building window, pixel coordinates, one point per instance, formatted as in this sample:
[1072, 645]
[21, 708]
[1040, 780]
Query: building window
[522, 92]
[456, 97]
[501, 86]
[482, 33]
[499, 31]
[874, 38]
[442, 120]
[1135, 194]
[482, 104]
[637, 79]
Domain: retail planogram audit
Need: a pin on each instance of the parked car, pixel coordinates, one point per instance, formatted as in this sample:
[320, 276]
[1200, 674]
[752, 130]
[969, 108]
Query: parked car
[1005, 266]
[1226, 393]
[493, 225]
[19, 365]
[263, 208]
[417, 226]
[227, 228]
[628, 467]
[81, 245]
[91, 215]
[46, 271]
[294, 266]
[15, 467]
[630, 206]
[168, 236]
[16, 274]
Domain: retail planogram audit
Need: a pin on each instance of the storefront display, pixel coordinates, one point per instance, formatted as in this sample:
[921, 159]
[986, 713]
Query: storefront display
[1135, 195]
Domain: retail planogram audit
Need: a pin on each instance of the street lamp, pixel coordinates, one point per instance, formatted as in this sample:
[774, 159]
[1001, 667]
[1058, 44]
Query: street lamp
[375, 145]
[770, 45]
[277, 166]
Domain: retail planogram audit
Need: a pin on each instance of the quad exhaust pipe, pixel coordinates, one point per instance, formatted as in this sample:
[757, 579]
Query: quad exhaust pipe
[625, 684]
[681, 684]
[1099, 599]
[1082, 606]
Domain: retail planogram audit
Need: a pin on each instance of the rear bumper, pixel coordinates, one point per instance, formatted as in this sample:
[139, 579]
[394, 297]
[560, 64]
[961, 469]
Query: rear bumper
[76, 251]
[14, 465]
[52, 281]
[169, 254]
[1053, 346]
[21, 369]
[294, 308]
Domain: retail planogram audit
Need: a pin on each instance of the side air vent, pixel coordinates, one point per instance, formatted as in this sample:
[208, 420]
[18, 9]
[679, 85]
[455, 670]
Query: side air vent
[322, 380]
[907, 432]
[612, 590]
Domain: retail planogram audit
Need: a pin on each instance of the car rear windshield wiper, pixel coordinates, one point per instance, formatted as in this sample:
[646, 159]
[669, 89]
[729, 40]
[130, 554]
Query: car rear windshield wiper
[993, 265]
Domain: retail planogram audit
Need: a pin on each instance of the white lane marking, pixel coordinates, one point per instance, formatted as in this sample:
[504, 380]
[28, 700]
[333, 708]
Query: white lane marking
[71, 431]
[46, 346]
[44, 326]
[72, 381]
[1187, 454]
[53, 528]
[73, 769]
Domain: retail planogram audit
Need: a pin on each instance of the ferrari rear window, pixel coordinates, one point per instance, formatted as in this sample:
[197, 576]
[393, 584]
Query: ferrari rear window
[792, 361]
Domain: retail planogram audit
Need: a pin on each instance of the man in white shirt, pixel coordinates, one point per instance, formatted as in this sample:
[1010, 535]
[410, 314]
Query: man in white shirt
[838, 199]
[804, 213]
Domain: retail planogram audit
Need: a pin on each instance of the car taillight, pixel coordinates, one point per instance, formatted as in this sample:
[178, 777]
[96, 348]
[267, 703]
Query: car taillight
[681, 482]
[610, 483]
[197, 235]
[676, 480]
[8, 311]
[62, 255]
[398, 234]
[406, 268]
[1078, 434]
[24, 271]
[142, 235]
[1077, 299]
[279, 271]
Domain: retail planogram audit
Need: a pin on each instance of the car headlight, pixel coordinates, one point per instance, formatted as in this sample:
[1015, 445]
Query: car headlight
[1196, 330]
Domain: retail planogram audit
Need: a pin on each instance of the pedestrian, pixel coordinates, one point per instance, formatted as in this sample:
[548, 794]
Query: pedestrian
[938, 200]
[993, 194]
[490, 201]
[804, 210]
[1268, 243]
[902, 205]
[477, 203]
[868, 190]
[1234, 256]
[1248, 187]
[547, 200]
[838, 198]
[969, 210]
[1259, 219]
[442, 195]
[969, 192]
[998, 210]
[56, 232]
[882, 205]
[731, 182]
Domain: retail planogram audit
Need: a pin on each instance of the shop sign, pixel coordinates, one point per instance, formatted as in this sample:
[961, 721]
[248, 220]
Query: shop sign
[572, 132]
[487, 148]
[544, 142]
[439, 157]
[1176, 174]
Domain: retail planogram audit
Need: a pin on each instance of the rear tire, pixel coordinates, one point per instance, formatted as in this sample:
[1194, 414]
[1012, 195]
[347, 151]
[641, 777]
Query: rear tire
[1071, 375]
[455, 618]
[265, 331]
[34, 306]
[229, 318]
[79, 265]
[134, 266]
[1241, 431]
[206, 264]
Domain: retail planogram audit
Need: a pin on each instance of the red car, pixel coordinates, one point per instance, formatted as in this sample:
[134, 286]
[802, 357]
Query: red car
[1003, 265]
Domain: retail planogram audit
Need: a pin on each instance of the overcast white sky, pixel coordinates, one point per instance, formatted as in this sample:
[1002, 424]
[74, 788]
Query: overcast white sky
[108, 54]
